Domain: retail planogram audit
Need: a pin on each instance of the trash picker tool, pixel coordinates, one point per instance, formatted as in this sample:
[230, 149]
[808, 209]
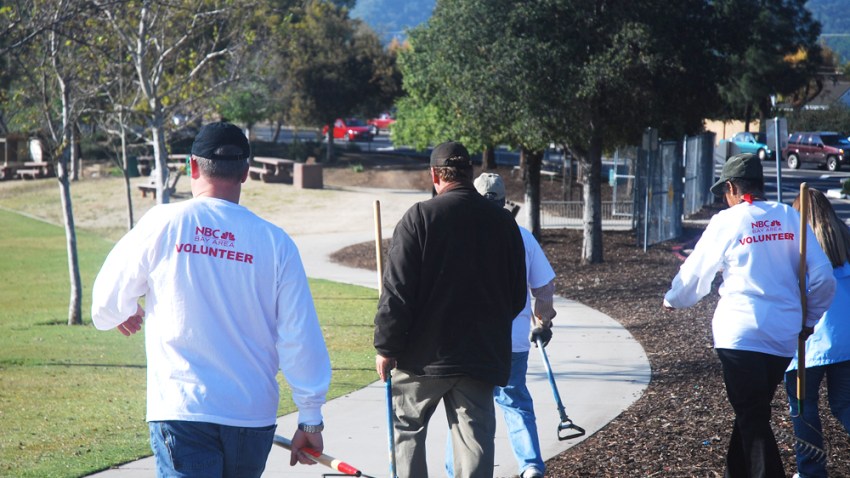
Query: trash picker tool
[566, 423]
[379, 262]
[321, 458]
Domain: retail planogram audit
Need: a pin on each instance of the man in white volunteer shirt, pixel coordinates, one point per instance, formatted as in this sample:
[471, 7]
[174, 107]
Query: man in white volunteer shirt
[758, 318]
[227, 306]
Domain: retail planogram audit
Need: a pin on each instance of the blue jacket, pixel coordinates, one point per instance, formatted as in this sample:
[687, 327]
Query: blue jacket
[831, 341]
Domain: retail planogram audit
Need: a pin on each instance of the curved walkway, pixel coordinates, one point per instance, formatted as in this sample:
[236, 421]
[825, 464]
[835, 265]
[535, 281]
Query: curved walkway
[599, 367]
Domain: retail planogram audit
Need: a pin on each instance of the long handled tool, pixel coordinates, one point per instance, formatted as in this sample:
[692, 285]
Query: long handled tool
[566, 424]
[811, 449]
[379, 262]
[801, 341]
[321, 458]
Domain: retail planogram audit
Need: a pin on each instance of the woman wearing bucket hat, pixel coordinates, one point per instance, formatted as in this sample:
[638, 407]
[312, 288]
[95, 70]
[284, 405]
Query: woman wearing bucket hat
[755, 244]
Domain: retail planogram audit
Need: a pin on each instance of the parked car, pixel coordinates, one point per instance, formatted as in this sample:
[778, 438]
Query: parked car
[824, 148]
[350, 129]
[382, 122]
[748, 143]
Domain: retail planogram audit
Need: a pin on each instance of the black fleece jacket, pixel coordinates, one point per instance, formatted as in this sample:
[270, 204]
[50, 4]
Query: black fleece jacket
[453, 283]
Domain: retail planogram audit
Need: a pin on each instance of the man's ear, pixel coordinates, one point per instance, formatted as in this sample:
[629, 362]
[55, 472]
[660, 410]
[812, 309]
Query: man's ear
[434, 177]
[194, 170]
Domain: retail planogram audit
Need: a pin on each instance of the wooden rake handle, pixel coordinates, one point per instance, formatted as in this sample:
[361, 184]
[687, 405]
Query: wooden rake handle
[801, 341]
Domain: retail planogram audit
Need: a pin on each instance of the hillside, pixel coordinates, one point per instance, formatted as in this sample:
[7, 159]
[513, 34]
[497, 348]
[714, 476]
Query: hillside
[391, 18]
[835, 24]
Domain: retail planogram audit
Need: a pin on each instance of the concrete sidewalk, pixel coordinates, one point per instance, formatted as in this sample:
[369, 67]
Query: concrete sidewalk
[599, 368]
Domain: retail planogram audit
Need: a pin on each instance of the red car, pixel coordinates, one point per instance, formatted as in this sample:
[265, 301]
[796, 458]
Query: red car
[351, 129]
[382, 122]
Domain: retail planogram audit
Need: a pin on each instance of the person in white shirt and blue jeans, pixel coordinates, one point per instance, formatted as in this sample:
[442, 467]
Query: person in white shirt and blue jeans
[227, 306]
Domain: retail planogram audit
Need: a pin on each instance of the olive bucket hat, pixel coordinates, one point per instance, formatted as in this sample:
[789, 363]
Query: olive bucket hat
[740, 166]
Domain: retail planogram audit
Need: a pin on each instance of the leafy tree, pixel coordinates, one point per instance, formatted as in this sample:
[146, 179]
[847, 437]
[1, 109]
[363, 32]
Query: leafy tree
[756, 37]
[836, 118]
[586, 75]
[53, 37]
[181, 52]
[337, 67]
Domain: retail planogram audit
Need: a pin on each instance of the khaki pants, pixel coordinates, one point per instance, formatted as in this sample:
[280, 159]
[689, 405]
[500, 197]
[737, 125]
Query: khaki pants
[471, 418]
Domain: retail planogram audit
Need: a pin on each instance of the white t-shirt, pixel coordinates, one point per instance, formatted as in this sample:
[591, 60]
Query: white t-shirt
[757, 248]
[227, 305]
[538, 272]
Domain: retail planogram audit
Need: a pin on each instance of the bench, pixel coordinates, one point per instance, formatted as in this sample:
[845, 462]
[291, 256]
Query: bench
[32, 173]
[34, 170]
[257, 173]
[150, 186]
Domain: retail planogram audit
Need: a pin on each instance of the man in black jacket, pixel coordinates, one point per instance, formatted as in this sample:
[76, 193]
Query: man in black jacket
[454, 281]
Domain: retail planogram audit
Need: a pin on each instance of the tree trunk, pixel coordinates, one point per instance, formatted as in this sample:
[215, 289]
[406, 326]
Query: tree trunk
[75, 313]
[160, 153]
[76, 153]
[591, 252]
[126, 171]
[533, 162]
[276, 135]
[488, 158]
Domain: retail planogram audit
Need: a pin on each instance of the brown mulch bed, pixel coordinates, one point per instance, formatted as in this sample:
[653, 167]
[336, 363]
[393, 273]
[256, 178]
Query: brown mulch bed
[681, 425]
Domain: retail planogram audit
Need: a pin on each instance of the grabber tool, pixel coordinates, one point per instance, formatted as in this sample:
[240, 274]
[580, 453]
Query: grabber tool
[321, 458]
[566, 429]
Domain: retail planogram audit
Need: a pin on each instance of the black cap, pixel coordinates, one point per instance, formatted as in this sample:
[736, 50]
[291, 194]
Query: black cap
[221, 141]
[450, 154]
[740, 166]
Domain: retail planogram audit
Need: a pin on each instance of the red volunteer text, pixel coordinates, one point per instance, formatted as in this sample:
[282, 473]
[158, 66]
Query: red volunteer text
[779, 236]
[216, 252]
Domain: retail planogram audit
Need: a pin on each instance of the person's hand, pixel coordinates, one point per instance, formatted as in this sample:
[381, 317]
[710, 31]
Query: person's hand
[383, 365]
[806, 332]
[543, 331]
[134, 323]
[302, 440]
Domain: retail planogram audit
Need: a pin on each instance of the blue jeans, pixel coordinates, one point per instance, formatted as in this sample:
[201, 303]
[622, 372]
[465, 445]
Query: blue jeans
[199, 449]
[808, 427]
[518, 409]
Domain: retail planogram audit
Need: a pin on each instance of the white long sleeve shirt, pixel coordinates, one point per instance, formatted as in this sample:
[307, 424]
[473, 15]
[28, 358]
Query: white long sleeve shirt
[227, 305]
[756, 246]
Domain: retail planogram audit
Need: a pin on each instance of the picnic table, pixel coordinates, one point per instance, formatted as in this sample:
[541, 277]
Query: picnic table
[35, 169]
[149, 186]
[272, 170]
[174, 163]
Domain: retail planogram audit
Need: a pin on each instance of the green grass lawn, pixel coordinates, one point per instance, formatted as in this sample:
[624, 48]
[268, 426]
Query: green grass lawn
[72, 398]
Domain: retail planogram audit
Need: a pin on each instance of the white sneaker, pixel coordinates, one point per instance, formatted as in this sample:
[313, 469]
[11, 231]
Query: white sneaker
[531, 472]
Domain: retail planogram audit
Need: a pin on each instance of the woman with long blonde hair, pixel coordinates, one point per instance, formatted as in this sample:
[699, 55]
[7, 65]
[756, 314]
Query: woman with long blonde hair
[828, 348]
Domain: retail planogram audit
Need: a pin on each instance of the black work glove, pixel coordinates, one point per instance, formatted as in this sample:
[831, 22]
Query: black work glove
[542, 332]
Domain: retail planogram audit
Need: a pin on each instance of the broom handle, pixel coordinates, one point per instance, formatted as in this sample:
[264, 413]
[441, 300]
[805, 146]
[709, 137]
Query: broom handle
[801, 342]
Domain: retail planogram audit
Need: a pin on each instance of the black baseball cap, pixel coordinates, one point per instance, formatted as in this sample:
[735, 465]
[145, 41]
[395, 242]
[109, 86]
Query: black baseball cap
[221, 141]
[450, 154]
